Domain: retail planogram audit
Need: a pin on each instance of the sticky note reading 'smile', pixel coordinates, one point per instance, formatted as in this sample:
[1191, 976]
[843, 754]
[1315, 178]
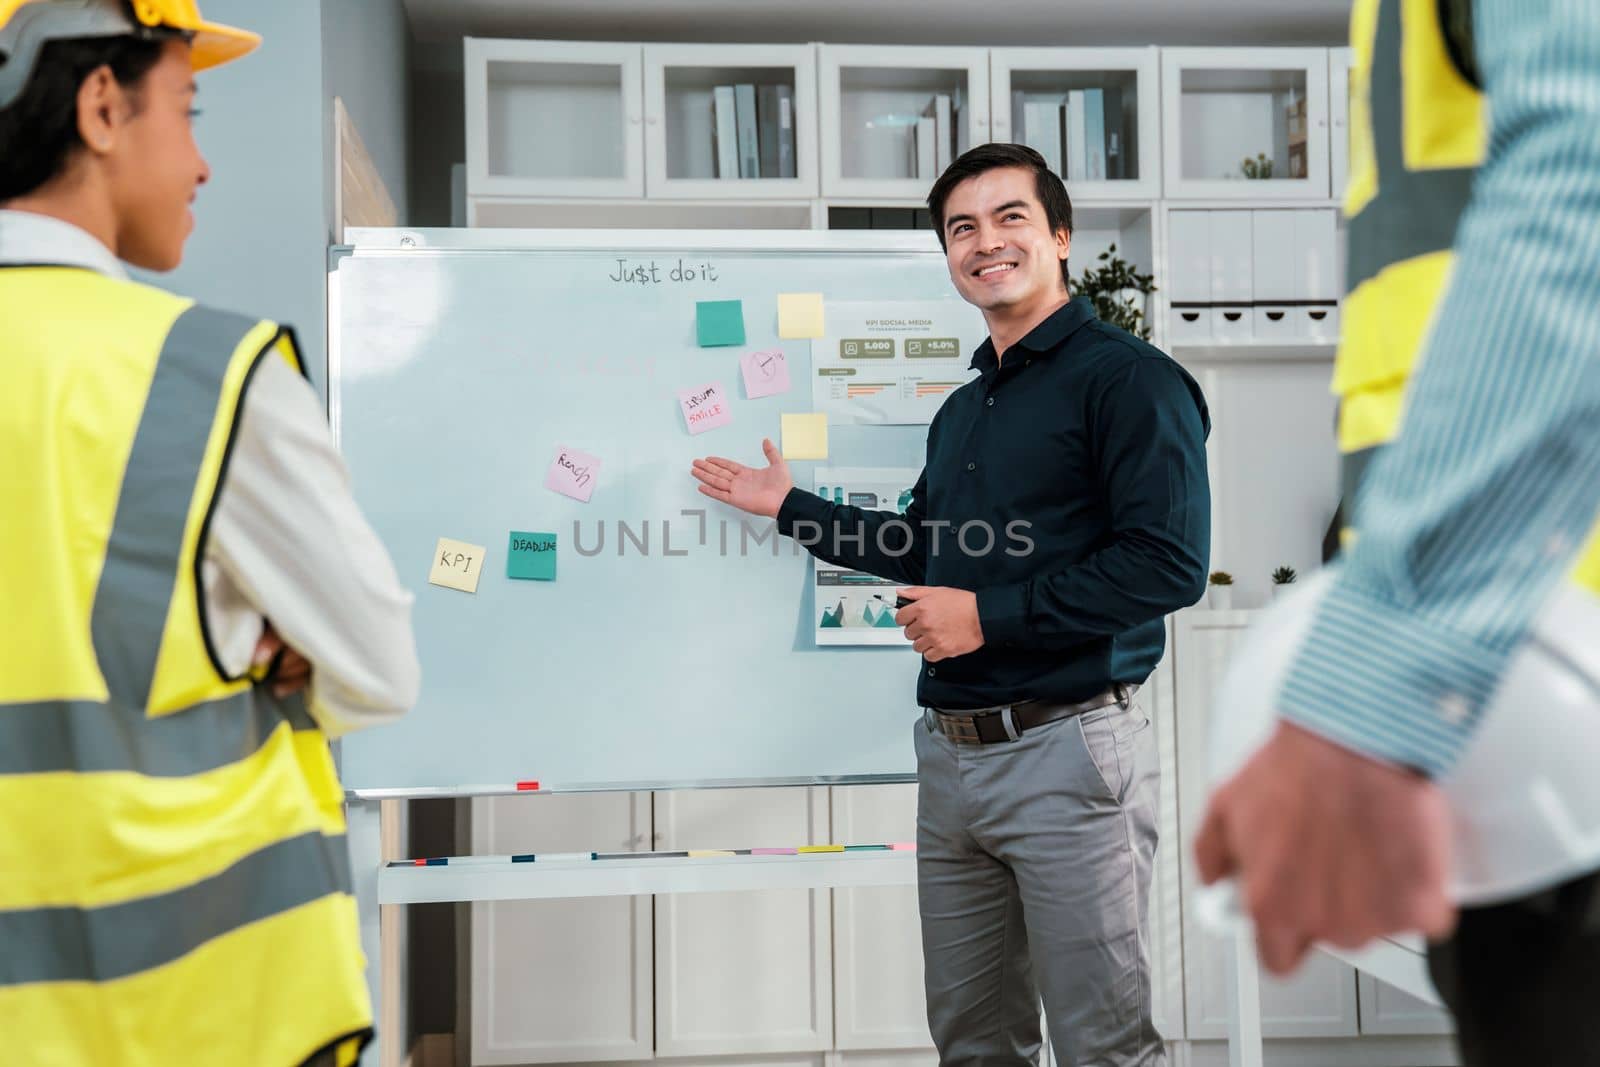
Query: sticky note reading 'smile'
[573, 473]
[799, 315]
[531, 556]
[718, 323]
[805, 436]
[765, 373]
[456, 565]
[705, 407]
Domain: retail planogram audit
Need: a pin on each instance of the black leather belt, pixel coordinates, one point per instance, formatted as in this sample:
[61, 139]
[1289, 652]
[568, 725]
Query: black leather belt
[988, 726]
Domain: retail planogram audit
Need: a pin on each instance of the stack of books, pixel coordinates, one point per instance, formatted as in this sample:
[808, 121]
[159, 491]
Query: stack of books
[941, 135]
[752, 131]
[1081, 134]
[1295, 116]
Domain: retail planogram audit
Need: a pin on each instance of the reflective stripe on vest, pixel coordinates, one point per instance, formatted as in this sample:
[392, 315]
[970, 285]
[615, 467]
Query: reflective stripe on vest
[174, 879]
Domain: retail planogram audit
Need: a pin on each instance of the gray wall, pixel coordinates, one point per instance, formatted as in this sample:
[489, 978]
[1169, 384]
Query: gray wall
[438, 128]
[365, 51]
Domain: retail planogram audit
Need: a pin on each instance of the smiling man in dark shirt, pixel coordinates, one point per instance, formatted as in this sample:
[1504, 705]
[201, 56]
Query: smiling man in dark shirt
[1063, 511]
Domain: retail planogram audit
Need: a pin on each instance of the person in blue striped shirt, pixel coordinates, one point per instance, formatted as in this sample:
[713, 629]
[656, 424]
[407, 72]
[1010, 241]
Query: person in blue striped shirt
[1469, 386]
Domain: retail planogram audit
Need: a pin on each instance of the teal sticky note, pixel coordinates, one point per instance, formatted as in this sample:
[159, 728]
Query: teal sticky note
[719, 323]
[531, 555]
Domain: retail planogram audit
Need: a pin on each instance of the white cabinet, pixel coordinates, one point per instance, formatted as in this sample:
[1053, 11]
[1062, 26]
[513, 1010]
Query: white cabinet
[553, 118]
[1158, 698]
[1245, 123]
[1295, 275]
[1386, 1010]
[743, 972]
[893, 117]
[693, 91]
[1319, 1001]
[560, 980]
[1213, 277]
[1338, 120]
[1031, 101]
[878, 997]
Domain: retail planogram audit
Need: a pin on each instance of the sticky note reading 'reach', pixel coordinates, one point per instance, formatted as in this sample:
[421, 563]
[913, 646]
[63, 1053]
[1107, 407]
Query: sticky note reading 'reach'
[456, 565]
[799, 315]
[531, 556]
[805, 436]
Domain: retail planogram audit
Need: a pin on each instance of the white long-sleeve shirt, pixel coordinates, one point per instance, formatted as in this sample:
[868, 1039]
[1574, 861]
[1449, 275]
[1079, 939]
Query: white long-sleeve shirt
[287, 542]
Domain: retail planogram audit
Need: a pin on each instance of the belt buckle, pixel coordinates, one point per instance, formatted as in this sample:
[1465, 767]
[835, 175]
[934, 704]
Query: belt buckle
[961, 729]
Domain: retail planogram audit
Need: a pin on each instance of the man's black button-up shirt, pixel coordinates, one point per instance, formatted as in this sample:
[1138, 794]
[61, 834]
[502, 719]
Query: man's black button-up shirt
[1066, 486]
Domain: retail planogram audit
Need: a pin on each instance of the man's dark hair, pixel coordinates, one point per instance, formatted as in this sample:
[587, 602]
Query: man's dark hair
[1047, 186]
[39, 131]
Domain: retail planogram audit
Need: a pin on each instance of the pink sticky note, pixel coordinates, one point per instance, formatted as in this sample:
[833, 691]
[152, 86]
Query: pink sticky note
[705, 407]
[573, 473]
[903, 846]
[765, 373]
[772, 852]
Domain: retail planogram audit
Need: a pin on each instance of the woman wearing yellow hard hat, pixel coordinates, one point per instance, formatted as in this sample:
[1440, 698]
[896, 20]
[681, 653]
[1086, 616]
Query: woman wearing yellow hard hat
[195, 604]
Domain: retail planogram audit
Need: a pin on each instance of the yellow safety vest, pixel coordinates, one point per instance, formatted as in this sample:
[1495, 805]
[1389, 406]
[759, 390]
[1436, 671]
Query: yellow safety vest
[174, 878]
[1418, 133]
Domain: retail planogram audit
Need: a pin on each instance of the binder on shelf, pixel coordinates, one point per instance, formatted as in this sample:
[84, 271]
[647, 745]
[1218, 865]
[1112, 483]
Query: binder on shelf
[1075, 149]
[1116, 152]
[786, 163]
[938, 109]
[1042, 121]
[924, 154]
[958, 118]
[768, 134]
[749, 146]
[1094, 135]
[725, 132]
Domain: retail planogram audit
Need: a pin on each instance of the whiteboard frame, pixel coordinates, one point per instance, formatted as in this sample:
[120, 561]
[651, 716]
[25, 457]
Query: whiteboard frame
[371, 241]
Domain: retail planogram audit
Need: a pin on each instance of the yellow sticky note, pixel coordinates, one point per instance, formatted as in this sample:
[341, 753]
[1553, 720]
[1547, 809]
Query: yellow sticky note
[807, 850]
[456, 565]
[799, 315]
[805, 436]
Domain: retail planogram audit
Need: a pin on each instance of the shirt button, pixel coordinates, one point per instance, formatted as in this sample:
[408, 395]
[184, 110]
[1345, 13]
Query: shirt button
[932, 672]
[991, 401]
[972, 466]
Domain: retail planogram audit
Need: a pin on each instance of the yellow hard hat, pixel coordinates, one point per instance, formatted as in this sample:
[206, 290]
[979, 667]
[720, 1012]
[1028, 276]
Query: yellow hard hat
[26, 26]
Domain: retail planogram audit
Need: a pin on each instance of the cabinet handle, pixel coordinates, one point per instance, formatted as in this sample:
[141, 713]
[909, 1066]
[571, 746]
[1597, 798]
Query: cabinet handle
[1232, 316]
[1275, 316]
[1318, 316]
[652, 120]
[633, 119]
[982, 123]
[1190, 316]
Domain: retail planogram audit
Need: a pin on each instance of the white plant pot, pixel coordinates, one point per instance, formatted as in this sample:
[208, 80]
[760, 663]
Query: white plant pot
[1282, 589]
[1220, 598]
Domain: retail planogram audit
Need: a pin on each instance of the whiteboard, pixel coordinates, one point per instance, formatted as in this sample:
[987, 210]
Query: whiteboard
[459, 361]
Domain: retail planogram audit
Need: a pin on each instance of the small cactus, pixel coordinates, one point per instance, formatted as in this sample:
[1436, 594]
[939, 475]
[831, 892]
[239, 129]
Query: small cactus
[1284, 576]
[1220, 578]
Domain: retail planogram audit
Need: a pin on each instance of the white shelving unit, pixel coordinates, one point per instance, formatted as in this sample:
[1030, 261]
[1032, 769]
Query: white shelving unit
[870, 100]
[680, 146]
[1224, 105]
[1338, 120]
[554, 119]
[1047, 75]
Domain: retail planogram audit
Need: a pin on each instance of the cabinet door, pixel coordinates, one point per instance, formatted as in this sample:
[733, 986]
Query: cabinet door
[878, 994]
[1319, 1001]
[1386, 1010]
[1229, 114]
[749, 972]
[554, 118]
[596, 1003]
[1338, 120]
[1166, 903]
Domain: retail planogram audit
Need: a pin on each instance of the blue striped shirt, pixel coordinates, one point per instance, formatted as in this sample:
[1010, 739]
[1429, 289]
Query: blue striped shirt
[1479, 507]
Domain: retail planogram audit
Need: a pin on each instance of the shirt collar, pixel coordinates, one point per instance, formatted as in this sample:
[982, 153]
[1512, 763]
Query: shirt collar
[27, 238]
[1043, 338]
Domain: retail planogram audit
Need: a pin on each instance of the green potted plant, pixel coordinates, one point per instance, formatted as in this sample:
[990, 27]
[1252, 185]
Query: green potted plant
[1118, 292]
[1259, 168]
[1281, 577]
[1220, 596]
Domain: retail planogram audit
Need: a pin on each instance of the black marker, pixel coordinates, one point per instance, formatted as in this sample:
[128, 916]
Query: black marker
[899, 601]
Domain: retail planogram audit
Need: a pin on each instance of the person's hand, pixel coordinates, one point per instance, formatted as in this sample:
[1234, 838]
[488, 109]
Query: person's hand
[942, 623]
[1327, 845]
[758, 490]
[294, 670]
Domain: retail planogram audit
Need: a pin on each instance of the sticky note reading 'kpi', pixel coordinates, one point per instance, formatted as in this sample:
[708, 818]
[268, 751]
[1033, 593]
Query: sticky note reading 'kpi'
[573, 473]
[805, 436]
[531, 556]
[705, 407]
[799, 315]
[765, 373]
[457, 565]
[719, 323]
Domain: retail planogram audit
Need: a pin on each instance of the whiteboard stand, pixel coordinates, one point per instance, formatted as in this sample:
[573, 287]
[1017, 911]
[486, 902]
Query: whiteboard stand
[1400, 962]
[377, 885]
